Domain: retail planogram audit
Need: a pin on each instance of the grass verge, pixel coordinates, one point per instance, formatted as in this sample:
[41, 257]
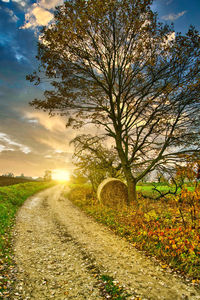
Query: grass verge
[156, 228]
[11, 198]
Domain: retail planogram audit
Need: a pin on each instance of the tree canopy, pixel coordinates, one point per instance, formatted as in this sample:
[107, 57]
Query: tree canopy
[112, 64]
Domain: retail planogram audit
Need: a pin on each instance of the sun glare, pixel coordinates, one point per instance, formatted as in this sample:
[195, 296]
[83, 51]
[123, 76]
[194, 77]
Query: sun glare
[60, 175]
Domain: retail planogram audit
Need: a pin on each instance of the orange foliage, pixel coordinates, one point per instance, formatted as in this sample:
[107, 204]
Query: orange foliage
[157, 227]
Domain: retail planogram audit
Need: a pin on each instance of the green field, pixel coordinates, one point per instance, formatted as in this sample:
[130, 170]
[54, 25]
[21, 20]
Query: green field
[11, 198]
[148, 189]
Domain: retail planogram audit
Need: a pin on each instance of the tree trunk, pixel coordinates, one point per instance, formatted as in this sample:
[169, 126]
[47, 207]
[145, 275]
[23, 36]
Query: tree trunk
[132, 195]
[131, 183]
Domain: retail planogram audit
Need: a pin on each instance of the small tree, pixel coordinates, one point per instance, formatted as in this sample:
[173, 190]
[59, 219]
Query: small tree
[188, 200]
[94, 160]
[188, 171]
[8, 175]
[161, 178]
[47, 175]
[78, 177]
[112, 64]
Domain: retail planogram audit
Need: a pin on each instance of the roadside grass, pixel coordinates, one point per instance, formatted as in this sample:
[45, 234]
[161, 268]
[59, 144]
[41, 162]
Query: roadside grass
[11, 198]
[156, 227]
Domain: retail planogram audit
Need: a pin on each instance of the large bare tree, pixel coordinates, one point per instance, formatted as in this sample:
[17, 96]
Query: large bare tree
[111, 63]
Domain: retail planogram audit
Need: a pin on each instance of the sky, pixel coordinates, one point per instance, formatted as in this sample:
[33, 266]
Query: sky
[30, 141]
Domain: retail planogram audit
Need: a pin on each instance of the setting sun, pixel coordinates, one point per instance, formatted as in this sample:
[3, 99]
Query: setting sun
[60, 175]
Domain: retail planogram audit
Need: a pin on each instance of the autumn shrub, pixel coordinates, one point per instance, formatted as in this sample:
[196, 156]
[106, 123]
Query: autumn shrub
[157, 226]
[81, 195]
[188, 204]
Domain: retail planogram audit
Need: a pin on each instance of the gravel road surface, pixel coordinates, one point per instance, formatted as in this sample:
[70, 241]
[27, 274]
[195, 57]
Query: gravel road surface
[59, 252]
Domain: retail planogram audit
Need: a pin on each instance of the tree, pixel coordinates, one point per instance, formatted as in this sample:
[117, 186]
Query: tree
[78, 178]
[110, 63]
[189, 172]
[198, 172]
[161, 177]
[94, 160]
[48, 175]
[145, 179]
[8, 175]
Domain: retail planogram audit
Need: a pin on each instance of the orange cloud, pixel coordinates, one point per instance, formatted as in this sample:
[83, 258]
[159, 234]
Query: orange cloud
[37, 16]
[53, 124]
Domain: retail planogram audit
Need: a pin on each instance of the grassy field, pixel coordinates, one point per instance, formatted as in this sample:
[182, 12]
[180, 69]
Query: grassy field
[168, 229]
[11, 198]
[148, 189]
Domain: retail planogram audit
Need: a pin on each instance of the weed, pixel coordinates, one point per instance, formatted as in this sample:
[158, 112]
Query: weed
[112, 288]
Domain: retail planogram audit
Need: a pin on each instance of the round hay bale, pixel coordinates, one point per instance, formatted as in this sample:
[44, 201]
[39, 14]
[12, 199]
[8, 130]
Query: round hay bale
[112, 192]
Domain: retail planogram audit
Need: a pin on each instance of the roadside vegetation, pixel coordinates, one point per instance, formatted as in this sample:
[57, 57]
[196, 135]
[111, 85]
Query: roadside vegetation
[11, 198]
[167, 228]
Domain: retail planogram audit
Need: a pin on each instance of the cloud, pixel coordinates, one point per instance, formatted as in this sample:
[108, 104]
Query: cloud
[49, 143]
[169, 2]
[53, 124]
[4, 148]
[31, 164]
[13, 17]
[52, 143]
[50, 4]
[39, 15]
[8, 144]
[173, 17]
[21, 2]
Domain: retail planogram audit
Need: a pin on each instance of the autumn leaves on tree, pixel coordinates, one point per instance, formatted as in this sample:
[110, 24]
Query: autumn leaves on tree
[112, 64]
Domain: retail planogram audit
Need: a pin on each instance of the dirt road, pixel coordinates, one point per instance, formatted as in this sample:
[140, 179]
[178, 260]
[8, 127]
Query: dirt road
[59, 250]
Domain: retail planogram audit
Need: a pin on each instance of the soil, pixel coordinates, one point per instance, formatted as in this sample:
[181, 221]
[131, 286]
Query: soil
[60, 253]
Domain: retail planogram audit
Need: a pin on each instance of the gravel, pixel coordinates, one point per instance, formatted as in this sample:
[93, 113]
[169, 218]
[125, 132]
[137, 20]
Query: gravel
[60, 254]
